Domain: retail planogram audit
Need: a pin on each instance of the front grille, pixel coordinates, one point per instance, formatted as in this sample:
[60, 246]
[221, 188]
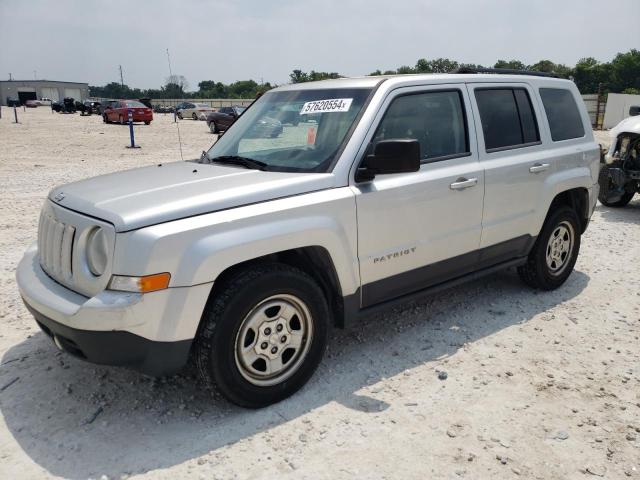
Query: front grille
[55, 245]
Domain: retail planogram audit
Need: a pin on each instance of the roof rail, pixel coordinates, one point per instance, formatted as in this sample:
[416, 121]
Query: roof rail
[504, 71]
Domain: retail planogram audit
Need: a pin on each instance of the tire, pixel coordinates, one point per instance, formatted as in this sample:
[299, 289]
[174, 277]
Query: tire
[147, 123]
[603, 180]
[194, 116]
[545, 273]
[121, 119]
[213, 128]
[104, 119]
[234, 322]
[179, 115]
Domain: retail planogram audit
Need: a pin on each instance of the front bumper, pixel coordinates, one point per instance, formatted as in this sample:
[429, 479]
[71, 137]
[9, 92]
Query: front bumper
[149, 332]
[122, 349]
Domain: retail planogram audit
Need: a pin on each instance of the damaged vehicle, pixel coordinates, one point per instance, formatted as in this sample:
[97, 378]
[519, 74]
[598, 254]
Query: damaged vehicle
[620, 172]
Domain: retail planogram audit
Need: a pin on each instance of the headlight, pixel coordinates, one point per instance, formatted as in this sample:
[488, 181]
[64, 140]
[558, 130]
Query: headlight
[97, 251]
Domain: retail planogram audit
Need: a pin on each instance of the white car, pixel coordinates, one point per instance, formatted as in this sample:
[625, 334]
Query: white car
[245, 258]
[195, 111]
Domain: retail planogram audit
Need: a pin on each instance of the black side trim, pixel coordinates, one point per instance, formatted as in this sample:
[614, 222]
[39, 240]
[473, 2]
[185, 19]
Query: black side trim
[354, 314]
[117, 348]
[445, 270]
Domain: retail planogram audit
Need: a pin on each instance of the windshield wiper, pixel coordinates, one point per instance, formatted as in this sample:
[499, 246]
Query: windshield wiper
[238, 160]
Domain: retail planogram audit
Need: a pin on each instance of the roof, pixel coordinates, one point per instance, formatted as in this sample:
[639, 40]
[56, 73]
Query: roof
[42, 81]
[418, 78]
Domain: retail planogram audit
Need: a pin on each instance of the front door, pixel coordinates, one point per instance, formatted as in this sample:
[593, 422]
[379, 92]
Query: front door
[419, 229]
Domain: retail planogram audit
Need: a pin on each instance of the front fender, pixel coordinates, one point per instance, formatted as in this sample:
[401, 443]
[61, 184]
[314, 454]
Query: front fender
[196, 250]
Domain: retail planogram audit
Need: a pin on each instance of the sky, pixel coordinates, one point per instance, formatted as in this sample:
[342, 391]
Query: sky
[86, 40]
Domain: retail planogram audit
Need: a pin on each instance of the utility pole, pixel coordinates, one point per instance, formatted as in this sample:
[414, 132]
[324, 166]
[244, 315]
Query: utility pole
[121, 78]
[10, 76]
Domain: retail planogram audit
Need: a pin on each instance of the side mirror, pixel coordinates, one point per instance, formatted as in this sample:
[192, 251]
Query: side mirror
[634, 110]
[390, 156]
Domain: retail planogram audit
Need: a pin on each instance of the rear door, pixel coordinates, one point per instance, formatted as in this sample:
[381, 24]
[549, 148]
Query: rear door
[516, 165]
[419, 229]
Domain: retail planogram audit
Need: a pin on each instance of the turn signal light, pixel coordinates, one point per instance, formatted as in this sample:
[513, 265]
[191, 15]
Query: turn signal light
[146, 284]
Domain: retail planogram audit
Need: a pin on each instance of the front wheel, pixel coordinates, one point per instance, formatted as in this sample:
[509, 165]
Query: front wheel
[212, 127]
[263, 335]
[179, 115]
[555, 252]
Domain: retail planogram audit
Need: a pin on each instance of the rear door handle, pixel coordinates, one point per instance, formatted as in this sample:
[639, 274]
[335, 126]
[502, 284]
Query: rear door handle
[462, 183]
[539, 167]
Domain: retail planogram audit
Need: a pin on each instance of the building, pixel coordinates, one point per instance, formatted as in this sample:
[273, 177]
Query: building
[24, 90]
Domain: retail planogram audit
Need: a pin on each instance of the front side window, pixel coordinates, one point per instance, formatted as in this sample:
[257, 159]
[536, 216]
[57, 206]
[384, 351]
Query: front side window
[294, 130]
[435, 119]
[508, 119]
[562, 112]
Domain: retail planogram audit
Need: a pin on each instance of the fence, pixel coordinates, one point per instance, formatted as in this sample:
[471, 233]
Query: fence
[212, 102]
[595, 104]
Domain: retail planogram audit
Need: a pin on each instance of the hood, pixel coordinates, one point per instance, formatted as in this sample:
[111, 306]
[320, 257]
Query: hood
[146, 196]
[628, 125]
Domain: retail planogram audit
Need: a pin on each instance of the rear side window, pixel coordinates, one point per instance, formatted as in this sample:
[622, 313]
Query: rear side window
[508, 119]
[436, 119]
[563, 114]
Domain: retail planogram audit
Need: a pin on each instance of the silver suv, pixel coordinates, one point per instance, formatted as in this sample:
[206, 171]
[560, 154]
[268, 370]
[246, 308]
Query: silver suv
[382, 190]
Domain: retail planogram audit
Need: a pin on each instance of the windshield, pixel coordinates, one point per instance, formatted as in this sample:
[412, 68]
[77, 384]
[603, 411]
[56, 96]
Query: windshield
[202, 105]
[135, 104]
[293, 131]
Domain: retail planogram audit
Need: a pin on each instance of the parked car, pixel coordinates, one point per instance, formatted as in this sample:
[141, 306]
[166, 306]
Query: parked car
[13, 102]
[222, 119]
[163, 109]
[620, 171]
[244, 259]
[118, 111]
[32, 104]
[91, 106]
[195, 111]
[68, 105]
[45, 101]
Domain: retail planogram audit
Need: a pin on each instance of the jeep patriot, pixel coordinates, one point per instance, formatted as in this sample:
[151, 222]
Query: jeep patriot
[383, 189]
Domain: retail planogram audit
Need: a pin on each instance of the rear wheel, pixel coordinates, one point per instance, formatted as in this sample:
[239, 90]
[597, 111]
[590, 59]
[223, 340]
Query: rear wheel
[179, 114]
[194, 116]
[555, 252]
[147, 123]
[213, 128]
[104, 119]
[263, 335]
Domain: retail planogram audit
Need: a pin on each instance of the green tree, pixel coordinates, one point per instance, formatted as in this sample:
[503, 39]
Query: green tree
[511, 64]
[589, 74]
[403, 70]
[625, 71]
[439, 65]
[298, 76]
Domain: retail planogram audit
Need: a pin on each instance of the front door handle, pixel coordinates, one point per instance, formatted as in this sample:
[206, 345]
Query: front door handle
[462, 183]
[539, 167]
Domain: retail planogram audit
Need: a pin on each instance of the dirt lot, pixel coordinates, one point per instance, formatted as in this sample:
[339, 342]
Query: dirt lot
[538, 385]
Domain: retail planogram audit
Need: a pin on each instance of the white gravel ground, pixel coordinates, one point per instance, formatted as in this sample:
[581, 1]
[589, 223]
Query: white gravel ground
[538, 385]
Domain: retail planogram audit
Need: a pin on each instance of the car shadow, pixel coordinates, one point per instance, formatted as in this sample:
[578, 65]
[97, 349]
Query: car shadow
[78, 420]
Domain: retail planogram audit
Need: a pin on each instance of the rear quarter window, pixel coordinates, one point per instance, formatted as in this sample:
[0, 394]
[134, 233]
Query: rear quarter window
[562, 113]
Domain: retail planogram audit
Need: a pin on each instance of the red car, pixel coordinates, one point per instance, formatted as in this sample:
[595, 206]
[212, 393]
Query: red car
[118, 111]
